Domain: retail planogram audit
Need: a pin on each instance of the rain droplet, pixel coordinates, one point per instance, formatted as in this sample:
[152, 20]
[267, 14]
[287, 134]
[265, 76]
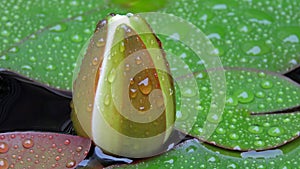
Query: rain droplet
[145, 86]
[111, 76]
[122, 47]
[100, 42]
[95, 61]
[220, 130]
[67, 142]
[138, 60]
[28, 143]
[191, 149]
[57, 39]
[79, 149]
[50, 67]
[107, 100]
[255, 129]
[244, 96]
[26, 67]
[275, 131]
[213, 118]
[89, 107]
[266, 84]
[259, 143]
[260, 94]
[57, 158]
[5, 33]
[71, 164]
[231, 101]
[58, 28]
[233, 136]
[188, 92]
[133, 92]
[3, 147]
[3, 163]
[76, 38]
[255, 50]
[291, 39]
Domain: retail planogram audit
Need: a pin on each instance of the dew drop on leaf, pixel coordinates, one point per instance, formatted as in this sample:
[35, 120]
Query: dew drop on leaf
[145, 86]
[3, 147]
[28, 143]
[71, 164]
[3, 164]
[266, 84]
[255, 129]
[275, 131]
[67, 142]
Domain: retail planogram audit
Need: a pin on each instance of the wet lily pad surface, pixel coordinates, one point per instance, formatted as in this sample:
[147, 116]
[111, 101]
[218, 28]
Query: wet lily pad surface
[41, 150]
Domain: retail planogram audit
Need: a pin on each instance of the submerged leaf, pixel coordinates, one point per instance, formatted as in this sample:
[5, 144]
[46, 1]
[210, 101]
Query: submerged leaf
[42, 150]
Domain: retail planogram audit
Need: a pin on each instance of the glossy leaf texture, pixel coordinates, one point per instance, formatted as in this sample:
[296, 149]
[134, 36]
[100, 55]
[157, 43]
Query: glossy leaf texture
[42, 45]
[42, 150]
[192, 154]
[252, 34]
[247, 122]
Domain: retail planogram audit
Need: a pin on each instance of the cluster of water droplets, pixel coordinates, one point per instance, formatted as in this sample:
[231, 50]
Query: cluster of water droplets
[248, 33]
[41, 45]
[41, 150]
[192, 154]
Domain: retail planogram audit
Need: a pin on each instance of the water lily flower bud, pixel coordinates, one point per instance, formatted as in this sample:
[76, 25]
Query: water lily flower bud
[123, 92]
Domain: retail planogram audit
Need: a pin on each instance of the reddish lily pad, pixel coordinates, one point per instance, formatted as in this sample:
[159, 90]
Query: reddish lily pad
[42, 150]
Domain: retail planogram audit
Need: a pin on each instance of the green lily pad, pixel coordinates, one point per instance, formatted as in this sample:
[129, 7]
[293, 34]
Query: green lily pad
[192, 154]
[42, 45]
[253, 34]
[240, 126]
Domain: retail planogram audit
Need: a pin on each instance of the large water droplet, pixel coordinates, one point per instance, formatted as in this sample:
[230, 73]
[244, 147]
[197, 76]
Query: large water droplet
[244, 96]
[145, 86]
[255, 129]
[233, 136]
[266, 84]
[291, 39]
[76, 38]
[214, 118]
[275, 131]
[231, 101]
[67, 142]
[3, 163]
[71, 164]
[3, 147]
[58, 28]
[28, 143]
[111, 76]
[259, 143]
[220, 130]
